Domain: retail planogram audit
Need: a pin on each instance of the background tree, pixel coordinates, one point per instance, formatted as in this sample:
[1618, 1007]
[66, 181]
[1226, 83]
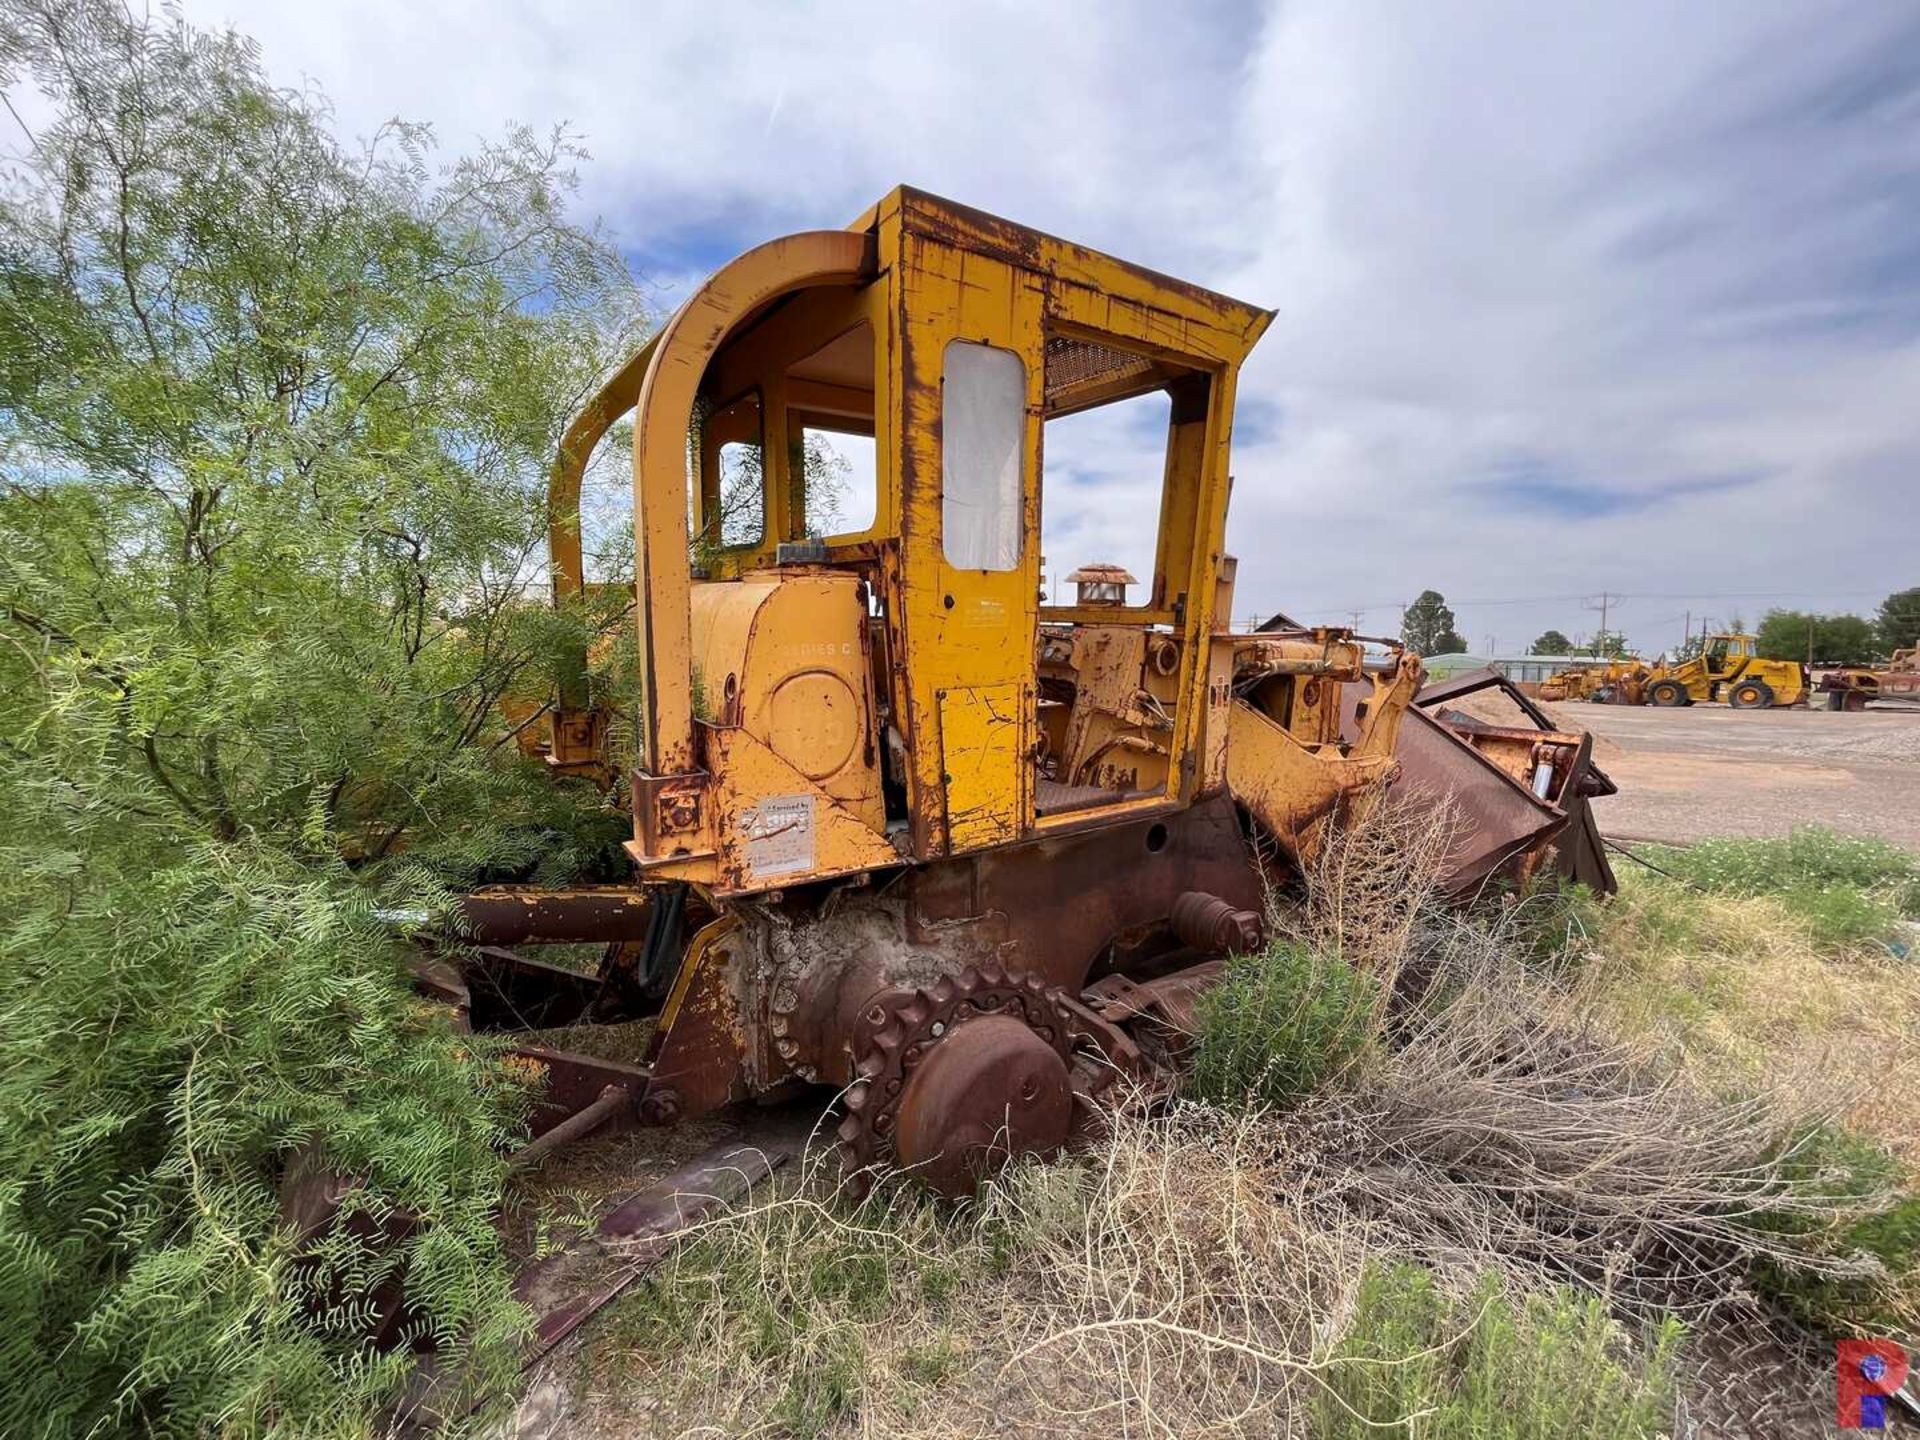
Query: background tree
[1607, 645]
[1832, 639]
[1552, 642]
[1427, 628]
[1897, 624]
[275, 416]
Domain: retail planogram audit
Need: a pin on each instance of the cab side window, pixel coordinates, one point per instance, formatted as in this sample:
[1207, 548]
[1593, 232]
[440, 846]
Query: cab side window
[982, 417]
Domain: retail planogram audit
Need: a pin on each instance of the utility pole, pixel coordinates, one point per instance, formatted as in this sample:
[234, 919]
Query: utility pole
[1600, 603]
[1686, 634]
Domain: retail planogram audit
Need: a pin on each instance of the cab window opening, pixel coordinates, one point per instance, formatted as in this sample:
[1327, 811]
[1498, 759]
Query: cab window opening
[832, 480]
[837, 478]
[1123, 439]
[1103, 473]
[731, 475]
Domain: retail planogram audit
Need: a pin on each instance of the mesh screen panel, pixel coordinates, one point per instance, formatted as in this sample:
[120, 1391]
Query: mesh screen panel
[1074, 363]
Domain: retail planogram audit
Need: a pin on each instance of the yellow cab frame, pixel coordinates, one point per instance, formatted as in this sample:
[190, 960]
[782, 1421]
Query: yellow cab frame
[951, 337]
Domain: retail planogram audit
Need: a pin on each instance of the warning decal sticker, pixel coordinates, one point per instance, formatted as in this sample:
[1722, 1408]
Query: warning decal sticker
[779, 834]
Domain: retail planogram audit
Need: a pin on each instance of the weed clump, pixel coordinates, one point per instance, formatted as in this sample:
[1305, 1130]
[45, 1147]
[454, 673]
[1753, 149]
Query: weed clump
[1279, 1024]
[1879, 1230]
[1551, 1365]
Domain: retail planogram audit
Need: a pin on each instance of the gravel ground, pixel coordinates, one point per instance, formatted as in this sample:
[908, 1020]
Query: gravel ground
[1706, 770]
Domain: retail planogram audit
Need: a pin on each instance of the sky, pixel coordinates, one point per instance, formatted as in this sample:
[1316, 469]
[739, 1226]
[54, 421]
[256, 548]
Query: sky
[1571, 299]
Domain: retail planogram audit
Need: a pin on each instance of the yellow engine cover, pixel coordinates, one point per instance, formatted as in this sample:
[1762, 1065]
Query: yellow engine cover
[783, 693]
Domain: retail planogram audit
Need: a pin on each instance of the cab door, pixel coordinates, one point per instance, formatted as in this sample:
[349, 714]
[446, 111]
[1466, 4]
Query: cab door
[970, 401]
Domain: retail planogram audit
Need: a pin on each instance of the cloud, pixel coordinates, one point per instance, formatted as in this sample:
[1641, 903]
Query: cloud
[1619, 297]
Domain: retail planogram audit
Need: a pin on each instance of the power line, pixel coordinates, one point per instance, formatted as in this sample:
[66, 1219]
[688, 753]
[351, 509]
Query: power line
[1644, 595]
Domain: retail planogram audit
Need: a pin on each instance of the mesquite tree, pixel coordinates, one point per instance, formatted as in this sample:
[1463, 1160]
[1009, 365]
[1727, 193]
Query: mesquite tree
[275, 413]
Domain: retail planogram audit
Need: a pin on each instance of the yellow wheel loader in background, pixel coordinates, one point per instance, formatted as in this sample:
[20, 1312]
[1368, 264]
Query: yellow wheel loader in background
[1728, 668]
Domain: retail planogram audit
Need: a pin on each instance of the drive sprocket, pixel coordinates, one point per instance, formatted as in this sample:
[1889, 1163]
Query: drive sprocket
[957, 1077]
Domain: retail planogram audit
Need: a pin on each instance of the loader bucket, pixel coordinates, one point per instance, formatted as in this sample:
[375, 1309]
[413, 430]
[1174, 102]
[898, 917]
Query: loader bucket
[1520, 785]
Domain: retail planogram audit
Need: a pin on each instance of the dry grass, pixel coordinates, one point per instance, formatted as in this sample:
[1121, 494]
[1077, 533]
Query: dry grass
[1187, 1278]
[1735, 988]
[1166, 1285]
[1198, 1271]
[1372, 881]
[1504, 1128]
[1515, 1138]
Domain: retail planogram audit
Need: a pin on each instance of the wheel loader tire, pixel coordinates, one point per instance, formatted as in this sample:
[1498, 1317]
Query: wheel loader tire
[1836, 700]
[1668, 693]
[1856, 700]
[1751, 695]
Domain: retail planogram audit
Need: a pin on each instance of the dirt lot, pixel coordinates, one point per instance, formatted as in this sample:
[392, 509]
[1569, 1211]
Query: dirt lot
[1707, 770]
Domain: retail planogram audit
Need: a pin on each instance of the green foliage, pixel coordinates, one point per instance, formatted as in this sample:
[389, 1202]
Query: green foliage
[1812, 854]
[1551, 923]
[275, 417]
[275, 457]
[1427, 627]
[1855, 1172]
[1552, 643]
[1897, 622]
[1550, 1366]
[1606, 645]
[181, 1022]
[1278, 1024]
[1849, 889]
[1833, 639]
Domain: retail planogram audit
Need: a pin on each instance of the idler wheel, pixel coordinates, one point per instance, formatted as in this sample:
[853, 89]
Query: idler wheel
[986, 1092]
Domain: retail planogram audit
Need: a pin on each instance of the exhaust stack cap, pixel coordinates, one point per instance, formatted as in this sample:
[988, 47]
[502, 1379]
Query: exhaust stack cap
[1101, 584]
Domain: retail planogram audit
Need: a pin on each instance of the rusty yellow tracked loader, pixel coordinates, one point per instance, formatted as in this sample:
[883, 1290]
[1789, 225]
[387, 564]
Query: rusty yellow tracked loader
[904, 833]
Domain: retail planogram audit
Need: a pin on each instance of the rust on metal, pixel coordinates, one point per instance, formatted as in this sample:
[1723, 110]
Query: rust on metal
[1054, 905]
[1163, 1006]
[1213, 927]
[1026, 1095]
[990, 1091]
[897, 825]
[574, 1082]
[520, 914]
[1514, 821]
[613, 1102]
[699, 1048]
[640, 1231]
